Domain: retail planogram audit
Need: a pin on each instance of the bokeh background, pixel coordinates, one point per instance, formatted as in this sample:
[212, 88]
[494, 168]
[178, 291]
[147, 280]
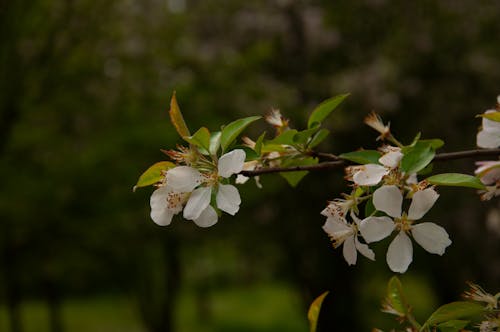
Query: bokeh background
[84, 93]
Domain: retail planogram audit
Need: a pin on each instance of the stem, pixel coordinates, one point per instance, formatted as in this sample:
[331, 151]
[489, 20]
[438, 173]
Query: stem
[337, 162]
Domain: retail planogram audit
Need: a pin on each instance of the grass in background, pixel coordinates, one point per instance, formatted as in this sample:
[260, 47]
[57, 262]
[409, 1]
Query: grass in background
[263, 308]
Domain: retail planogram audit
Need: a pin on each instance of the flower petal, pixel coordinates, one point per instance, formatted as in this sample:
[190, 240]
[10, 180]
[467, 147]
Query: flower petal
[490, 125]
[488, 139]
[421, 202]
[207, 218]
[198, 201]
[231, 163]
[349, 251]
[400, 253]
[336, 228]
[388, 199]
[364, 249]
[183, 178]
[376, 228]
[160, 213]
[431, 237]
[370, 175]
[228, 198]
[391, 159]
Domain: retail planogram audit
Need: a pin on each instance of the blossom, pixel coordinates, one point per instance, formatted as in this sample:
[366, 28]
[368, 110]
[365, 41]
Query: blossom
[489, 135]
[375, 121]
[372, 174]
[227, 197]
[277, 120]
[341, 232]
[489, 174]
[165, 203]
[428, 235]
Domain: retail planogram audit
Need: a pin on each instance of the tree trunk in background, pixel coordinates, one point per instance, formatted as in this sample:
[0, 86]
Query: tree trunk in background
[158, 284]
[53, 298]
[12, 288]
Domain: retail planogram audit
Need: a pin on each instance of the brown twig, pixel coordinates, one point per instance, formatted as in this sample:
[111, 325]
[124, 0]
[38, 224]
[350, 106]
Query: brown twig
[339, 162]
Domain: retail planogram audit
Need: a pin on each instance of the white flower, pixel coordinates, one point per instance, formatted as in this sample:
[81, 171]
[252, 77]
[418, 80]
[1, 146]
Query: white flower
[227, 197]
[169, 199]
[489, 174]
[429, 236]
[375, 121]
[372, 174]
[488, 171]
[249, 166]
[340, 232]
[489, 135]
[165, 203]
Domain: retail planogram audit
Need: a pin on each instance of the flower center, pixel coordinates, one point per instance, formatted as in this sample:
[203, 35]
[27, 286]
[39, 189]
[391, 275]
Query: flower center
[403, 223]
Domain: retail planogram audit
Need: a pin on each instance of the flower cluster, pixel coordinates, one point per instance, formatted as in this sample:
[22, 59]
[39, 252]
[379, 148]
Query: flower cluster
[382, 187]
[489, 137]
[192, 189]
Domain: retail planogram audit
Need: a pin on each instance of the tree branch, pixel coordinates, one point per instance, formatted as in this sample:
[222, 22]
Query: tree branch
[338, 162]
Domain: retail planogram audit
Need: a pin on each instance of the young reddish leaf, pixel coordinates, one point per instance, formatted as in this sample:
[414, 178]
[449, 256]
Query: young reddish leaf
[177, 119]
[313, 312]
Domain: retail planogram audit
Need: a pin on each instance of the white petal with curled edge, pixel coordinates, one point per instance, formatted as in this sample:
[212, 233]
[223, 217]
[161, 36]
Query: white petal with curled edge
[183, 178]
[228, 198]
[336, 229]
[391, 159]
[488, 140]
[207, 218]
[198, 201]
[376, 228]
[431, 237]
[349, 251]
[371, 175]
[160, 213]
[421, 202]
[231, 163]
[490, 125]
[364, 249]
[388, 199]
[400, 253]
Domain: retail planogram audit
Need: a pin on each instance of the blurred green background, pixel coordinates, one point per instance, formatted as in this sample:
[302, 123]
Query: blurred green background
[84, 93]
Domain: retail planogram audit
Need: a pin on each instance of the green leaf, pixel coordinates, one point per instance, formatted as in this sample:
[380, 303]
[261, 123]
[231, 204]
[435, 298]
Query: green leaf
[214, 143]
[362, 156]
[293, 178]
[369, 208]
[434, 143]
[259, 142]
[153, 174]
[494, 116]
[453, 325]
[395, 297]
[456, 180]
[304, 136]
[314, 310]
[266, 148]
[454, 311]
[324, 109]
[201, 138]
[285, 138]
[232, 130]
[177, 119]
[416, 157]
[415, 140]
[318, 138]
